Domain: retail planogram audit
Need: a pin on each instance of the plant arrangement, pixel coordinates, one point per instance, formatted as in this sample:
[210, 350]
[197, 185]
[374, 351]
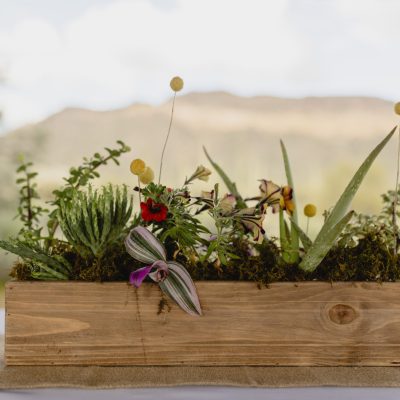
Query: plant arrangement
[152, 231]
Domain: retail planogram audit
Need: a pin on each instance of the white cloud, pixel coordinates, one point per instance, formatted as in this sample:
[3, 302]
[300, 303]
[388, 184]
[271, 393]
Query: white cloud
[115, 53]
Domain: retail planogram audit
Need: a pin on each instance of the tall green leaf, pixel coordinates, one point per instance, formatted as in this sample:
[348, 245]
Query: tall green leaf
[305, 240]
[323, 243]
[284, 235]
[294, 237]
[319, 249]
[229, 184]
[347, 196]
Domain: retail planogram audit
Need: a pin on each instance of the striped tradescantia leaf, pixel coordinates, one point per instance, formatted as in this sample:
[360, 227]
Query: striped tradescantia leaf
[171, 276]
[143, 246]
[180, 287]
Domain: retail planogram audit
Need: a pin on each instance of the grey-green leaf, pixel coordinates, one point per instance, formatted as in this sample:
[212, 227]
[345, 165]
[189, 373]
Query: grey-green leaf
[307, 242]
[294, 237]
[313, 257]
[323, 243]
[346, 198]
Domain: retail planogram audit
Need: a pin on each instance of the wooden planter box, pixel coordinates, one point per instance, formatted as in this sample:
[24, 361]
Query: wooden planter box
[297, 324]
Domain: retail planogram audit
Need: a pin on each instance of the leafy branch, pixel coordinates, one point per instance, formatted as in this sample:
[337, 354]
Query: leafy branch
[79, 177]
[28, 212]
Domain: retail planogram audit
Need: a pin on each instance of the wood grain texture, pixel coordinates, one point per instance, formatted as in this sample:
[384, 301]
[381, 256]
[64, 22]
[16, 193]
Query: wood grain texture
[304, 324]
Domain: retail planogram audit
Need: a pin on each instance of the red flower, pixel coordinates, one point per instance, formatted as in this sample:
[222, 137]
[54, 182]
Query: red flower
[153, 211]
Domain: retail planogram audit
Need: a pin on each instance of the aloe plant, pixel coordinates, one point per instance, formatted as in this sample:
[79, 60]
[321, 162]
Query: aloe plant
[339, 216]
[171, 276]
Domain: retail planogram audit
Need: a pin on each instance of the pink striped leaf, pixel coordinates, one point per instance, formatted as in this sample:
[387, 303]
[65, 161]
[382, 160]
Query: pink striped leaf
[180, 287]
[172, 277]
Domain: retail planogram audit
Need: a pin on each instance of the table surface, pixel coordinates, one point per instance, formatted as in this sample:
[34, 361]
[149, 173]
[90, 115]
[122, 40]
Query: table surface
[209, 393]
[197, 393]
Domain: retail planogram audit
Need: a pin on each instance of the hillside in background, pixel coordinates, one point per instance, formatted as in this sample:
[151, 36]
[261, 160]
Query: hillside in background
[327, 138]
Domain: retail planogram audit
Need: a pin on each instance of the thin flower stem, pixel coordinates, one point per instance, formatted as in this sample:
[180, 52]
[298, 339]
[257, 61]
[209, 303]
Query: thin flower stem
[166, 139]
[140, 191]
[396, 198]
[308, 224]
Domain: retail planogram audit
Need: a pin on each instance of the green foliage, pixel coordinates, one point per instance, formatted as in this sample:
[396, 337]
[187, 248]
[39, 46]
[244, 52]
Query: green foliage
[377, 227]
[79, 177]
[289, 238]
[47, 257]
[227, 229]
[181, 230]
[28, 212]
[93, 221]
[337, 218]
[41, 265]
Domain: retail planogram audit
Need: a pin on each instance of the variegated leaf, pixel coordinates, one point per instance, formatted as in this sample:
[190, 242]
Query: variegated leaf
[143, 246]
[180, 287]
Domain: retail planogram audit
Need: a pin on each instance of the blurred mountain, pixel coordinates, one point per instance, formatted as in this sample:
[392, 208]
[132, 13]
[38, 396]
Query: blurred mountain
[327, 138]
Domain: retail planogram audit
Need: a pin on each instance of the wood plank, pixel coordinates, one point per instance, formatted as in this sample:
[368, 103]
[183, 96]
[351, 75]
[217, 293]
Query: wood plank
[304, 324]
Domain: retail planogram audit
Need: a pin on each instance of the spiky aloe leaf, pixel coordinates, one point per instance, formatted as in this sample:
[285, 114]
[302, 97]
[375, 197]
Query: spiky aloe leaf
[228, 183]
[294, 237]
[180, 287]
[347, 196]
[307, 242]
[54, 267]
[319, 249]
[143, 246]
[323, 244]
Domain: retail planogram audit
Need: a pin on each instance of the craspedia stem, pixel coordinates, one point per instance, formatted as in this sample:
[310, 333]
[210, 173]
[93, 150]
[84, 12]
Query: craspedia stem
[140, 192]
[166, 139]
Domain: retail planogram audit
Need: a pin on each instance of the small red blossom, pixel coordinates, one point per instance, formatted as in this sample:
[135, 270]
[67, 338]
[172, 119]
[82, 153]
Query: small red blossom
[152, 211]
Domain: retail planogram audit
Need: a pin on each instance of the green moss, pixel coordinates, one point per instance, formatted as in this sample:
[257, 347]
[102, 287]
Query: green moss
[21, 271]
[370, 260]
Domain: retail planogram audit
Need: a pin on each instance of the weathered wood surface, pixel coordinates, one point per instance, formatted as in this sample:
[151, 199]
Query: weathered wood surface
[300, 324]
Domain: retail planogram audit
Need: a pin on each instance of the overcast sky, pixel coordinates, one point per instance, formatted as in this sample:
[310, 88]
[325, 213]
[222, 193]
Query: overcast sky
[106, 54]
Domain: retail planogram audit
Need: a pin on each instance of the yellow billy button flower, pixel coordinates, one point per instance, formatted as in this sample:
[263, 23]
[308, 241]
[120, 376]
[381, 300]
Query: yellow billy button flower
[397, 108]
[138, 166]
[176, 84]
[147, 176]
[310, 210]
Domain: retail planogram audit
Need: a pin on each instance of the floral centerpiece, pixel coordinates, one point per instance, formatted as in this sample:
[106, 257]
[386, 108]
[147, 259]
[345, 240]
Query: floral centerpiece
[157, 232]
